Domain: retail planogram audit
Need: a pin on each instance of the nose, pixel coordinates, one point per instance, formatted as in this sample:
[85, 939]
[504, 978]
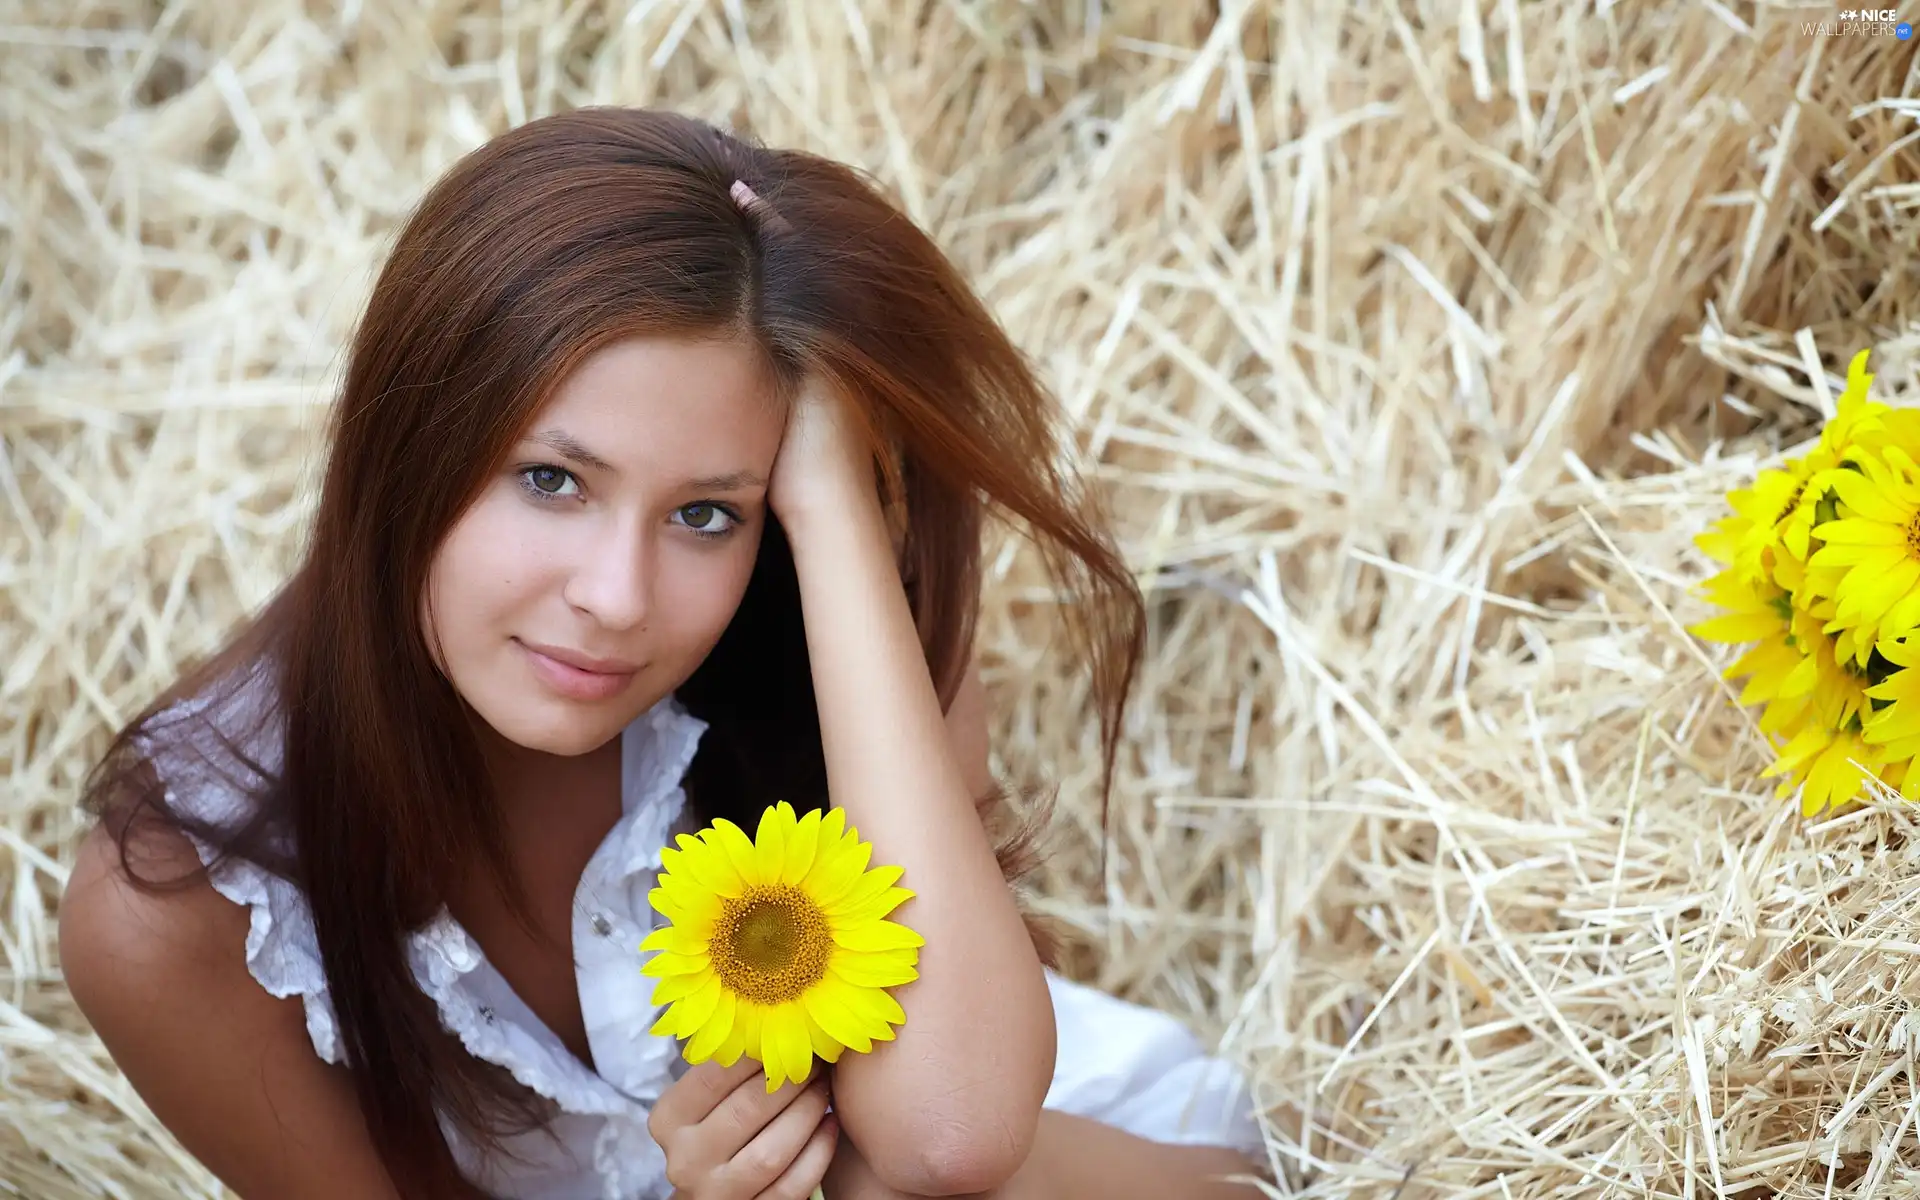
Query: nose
[613, 580]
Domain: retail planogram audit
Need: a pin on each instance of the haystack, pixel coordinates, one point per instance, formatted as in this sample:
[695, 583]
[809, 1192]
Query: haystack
[1411, 342]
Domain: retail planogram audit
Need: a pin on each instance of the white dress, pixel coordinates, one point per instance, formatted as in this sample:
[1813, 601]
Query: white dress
[1118, 1063]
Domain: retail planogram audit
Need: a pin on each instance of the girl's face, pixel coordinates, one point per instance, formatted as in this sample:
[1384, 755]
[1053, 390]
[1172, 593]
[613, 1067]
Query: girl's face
[604, 558]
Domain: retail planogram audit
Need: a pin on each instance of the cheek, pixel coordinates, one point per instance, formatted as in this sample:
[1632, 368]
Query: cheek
[699, 598]
[479, 570]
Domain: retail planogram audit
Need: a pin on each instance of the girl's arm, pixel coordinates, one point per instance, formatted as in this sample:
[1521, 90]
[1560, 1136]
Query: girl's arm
[227, 1068]
[1082, 1159]
[952, 1104]
[1075, 1158]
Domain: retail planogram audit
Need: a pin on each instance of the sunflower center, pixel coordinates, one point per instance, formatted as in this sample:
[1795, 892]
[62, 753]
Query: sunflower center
[771, 944]
[1913, 535]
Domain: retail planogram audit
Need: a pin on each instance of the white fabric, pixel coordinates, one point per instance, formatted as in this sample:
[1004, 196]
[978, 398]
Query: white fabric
[1118, 1063]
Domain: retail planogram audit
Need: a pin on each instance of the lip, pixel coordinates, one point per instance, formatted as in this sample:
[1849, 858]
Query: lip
[583, 662]
[575, 683]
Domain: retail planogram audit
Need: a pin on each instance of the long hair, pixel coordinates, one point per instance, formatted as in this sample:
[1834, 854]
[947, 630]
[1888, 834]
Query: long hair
[546, 244]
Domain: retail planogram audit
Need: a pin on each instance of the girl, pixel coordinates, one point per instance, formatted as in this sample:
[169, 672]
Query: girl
[630, 400]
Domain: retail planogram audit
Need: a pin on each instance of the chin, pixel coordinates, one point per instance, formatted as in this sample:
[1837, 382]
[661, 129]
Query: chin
[567, 734]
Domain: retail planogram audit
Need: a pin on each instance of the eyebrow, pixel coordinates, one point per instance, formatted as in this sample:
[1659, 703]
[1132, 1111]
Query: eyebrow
[731, 481]
[568, 447]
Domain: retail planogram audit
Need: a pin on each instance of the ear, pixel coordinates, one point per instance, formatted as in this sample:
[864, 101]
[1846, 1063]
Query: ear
[967, 734]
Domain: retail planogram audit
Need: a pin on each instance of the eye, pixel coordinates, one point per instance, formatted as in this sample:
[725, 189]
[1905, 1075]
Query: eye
[708, 520]
[547, 483]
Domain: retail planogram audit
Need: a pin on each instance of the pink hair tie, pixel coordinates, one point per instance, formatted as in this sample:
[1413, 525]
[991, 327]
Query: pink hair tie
[751, 204]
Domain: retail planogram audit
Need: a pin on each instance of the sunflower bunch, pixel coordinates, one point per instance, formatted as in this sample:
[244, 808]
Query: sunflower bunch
[1821, 584]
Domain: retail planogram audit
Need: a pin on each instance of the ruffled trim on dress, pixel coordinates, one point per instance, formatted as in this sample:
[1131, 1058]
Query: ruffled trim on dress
[630, 1163]
[202, 780]
[282, 951]
[442, 956]
[656, 752]
[655, 749]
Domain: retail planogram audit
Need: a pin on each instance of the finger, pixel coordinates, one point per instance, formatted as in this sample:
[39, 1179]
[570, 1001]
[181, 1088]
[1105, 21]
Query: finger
[736, 1120]
[701, 1090]
[809, 1167]
[766, 1158]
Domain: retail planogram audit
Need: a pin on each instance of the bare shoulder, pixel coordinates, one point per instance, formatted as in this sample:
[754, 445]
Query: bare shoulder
[118, 939]
[226, 1067]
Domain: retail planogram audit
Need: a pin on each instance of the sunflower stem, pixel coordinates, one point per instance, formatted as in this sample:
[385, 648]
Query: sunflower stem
[820, 1193]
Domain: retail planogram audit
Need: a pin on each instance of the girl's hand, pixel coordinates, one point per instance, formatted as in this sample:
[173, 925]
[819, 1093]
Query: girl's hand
[825, 460]
[726, 1139]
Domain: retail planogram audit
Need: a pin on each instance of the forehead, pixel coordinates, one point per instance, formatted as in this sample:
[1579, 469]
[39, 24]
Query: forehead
[670, 403]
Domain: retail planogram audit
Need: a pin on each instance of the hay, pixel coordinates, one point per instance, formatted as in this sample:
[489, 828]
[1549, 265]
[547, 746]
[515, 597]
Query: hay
[1412, 342]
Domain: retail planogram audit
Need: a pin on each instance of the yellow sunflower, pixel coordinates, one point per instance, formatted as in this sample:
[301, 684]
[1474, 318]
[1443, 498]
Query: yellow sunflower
[778, 947]
[1721, 542]
[1763, 514]
[1831, 766]
[1854, 414]
[1829, 757]
[1749, 611]
[1790, 665]
[1869, 559]
[1782, 507]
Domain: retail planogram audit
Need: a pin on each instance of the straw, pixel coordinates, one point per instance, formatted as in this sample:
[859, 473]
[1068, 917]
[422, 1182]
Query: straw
[1409, 344]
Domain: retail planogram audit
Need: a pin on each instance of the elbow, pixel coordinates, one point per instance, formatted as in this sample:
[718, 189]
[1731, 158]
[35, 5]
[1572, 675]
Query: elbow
[963, 1158]
[967, 1139]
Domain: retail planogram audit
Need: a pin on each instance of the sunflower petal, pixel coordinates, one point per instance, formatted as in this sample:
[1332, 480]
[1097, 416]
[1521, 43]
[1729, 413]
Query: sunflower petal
[705, 867]
[669, 988]
[1860, 531]
[1905, 612]
[698, 1007]
[787, 1045]
[714, 1033]
[870, 885]
[676, 939]
[825, 1048]
[868, 1007]
[666, 963]
[871, 910]
[1864, 499]
[802, 845]
[733, 842]
[748, 1017]
[827, 1008]
[890, 1010]
[734, 1044]
[877, 935]
[836, 870]
[890, 968]
[670, 860]
[679, 888]
[770, 841]
[1736, 627]
[690, 912]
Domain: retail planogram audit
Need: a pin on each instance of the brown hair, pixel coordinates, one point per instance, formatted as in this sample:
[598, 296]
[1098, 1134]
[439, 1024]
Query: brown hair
[551, 241]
